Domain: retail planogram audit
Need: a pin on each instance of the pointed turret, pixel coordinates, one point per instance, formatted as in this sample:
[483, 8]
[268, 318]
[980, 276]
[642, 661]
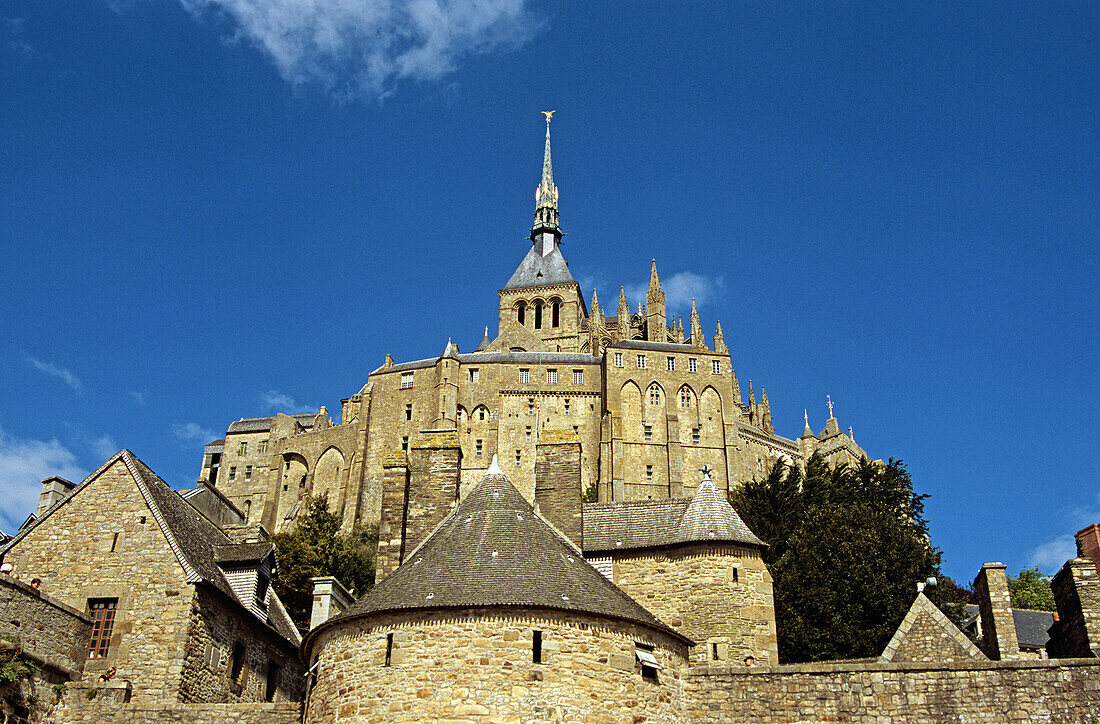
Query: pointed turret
[680, 329]
[546, 196]
[597, 313]
[656, 321]
[485, 342]
[624, 315]
[595, 326]
[697, 339]
[806, 431]
[720, 340]
[765, 412]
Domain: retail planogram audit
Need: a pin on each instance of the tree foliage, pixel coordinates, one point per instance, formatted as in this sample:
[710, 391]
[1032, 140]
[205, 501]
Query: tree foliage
[846, 547]
[1031, 589]
[317, 548]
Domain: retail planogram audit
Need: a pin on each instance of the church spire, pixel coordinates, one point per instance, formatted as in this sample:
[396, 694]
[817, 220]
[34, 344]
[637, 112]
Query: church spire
[697, 339]
[656, 327]
[546, 195]
[720, 340]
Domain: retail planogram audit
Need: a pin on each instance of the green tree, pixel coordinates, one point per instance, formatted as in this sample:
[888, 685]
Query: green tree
[317, 548]
[1031, 589]
[846, 547]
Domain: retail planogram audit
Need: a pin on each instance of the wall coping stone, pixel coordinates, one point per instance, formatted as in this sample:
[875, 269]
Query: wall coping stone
[835, 667]
[46, 598]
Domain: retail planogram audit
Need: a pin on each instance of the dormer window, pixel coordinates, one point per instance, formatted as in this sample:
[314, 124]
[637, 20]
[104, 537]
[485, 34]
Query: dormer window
[262, 584]
[643, 654]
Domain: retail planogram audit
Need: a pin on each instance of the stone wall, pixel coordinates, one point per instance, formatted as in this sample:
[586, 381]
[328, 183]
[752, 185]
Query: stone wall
[215, 626]
[975, 693]
[558, 482]
[104, 543]
[90, 703]
[51, 632]
[1077, 592]
[478, 667]
[719, 596]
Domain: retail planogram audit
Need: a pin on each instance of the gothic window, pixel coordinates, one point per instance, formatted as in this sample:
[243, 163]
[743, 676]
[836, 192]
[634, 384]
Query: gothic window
[618, 359]
[406, 380]
[554, 313]
[654, 395]
[693, 365]
[641, 361]
[538, 315]
[524, 376]
[578, 377]
[102, 611]
[521, 313]
[671, 362]
[685, 398]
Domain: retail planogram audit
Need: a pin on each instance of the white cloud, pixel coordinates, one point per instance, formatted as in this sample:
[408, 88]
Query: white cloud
[104, 447]
[1049, 557]
[281, 402]
[679, 289]
[53, 370]
[193, 432]
[138, 397]
[23, 465]
[361, 48]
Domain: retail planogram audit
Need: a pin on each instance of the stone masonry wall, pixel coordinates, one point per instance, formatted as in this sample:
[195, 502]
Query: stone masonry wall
[975, 693]
[1076, 590]
[75, 707]
[215, 626]
[558, 482]
[479, 668]
[721, 597]
[434, 460]
[47, 629]
[104, 543]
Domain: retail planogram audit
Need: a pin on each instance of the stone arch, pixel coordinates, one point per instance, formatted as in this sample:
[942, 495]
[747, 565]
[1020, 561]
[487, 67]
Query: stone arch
[686, 399]
[329, 476]
[712, 429]
[480, 414]
[521, 312]
[292, 485]
[654, 414]
[461, 415]
[630, 404]
[555, 311]
[537, 304]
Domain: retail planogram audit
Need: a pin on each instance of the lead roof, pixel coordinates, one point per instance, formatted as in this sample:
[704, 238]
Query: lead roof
[537, 270]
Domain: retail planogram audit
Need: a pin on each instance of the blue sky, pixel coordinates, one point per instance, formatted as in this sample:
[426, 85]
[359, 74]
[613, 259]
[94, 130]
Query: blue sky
[221, 208]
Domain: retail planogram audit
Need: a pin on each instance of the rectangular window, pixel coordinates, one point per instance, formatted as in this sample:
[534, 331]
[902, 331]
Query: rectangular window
[247, 472]
[551, 377]
[473, 376]
[643, 653]
[477, 448]
[716, 367]
[648, 433]
[405, 443]
[528, 432]
[272, 682]
[517, 458]
[714, 651]
[536, 647]
[693, 365]
[524, 376]
[567, 407]
[649, 473]
[530, 405]
[102, 611]
[389, 649]
[694, 436]
[406, 380]
[236, 664]
[243, 450]
[263, 446]
[641, 361]
[232, 473]
[578, 377]
[408, 411]
[671, 362]
[618, 359]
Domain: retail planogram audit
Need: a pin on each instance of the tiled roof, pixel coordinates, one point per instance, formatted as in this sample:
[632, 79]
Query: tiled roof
[263, 424]
[654, 523]
[494, 550]
[537, 270]
[242, 552]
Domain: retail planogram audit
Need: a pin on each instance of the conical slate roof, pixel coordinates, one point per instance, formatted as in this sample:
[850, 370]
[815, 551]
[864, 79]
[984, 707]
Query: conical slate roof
[536, 269]
[709, 516]
[494, 550]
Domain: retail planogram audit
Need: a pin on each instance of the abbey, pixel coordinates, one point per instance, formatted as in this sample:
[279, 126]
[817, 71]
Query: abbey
[647, 401]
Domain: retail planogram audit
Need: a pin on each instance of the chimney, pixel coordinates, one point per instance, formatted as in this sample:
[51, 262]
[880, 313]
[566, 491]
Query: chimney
[999, 640]
[1088, 543]
[329, 598]
[53, 490]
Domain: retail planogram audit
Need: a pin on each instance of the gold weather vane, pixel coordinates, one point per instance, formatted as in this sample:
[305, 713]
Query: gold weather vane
[830, 405]
[549, 115]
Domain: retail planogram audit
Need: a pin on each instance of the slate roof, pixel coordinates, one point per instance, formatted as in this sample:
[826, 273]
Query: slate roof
[494, 550]
[659, 346]
[537, 270]
[263, 424]
[242, 552]
[191, 535]
[565, 358]
[635, 524]
[1031, 626]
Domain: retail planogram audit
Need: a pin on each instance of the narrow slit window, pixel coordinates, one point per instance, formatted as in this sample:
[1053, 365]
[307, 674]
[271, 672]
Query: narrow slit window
[536, 647]
[389, 650]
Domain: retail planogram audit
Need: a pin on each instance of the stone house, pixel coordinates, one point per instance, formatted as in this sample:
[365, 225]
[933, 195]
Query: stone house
[648, 401]
[179, 609]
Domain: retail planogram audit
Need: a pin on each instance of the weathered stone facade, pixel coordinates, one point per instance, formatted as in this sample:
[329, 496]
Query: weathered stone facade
[53, 634]
[476, 666]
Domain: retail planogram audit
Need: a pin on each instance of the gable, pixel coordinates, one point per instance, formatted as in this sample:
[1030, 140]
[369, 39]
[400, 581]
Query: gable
[925, 634]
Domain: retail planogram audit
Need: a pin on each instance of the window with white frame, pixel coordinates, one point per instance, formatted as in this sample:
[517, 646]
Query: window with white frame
[693, 365]
[524, 376]
[551, 377]
[671, 363]
[641, 361]
[618, 359]
[578, 377]
[694, 436]
[654, 395]
[716, 367]
[473, 376]
[406, 380]
[477, 447]
[647, 431]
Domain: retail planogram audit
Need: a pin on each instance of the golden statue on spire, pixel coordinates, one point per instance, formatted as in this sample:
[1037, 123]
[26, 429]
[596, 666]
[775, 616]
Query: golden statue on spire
[549, 115]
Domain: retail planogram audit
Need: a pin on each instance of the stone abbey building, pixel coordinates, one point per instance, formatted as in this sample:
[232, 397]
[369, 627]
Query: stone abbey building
[647, 401]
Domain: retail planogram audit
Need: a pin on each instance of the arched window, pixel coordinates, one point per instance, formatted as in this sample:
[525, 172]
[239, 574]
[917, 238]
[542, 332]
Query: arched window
[538, 315]
[521, 313]
[654, 395]
[554, 316]
[685, 398]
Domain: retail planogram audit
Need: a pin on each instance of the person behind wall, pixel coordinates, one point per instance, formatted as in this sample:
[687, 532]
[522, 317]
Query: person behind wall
[750, 660]
[108, 674]
[36, 583]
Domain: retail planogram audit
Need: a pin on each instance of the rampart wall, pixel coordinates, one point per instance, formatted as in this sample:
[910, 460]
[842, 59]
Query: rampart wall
[51, 633]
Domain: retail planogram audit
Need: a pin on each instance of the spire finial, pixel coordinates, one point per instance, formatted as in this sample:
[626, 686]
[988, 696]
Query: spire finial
[830, 402]
[696, 328]
[546, 195]
[806, 416]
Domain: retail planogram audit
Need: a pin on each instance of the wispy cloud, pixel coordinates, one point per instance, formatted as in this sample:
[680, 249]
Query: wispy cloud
[12, 40]
[192, 432]
[679, 289]
[53, 370]
[362, 48]
[281, 402]
[138, 397]
[23, 465]
[1049, 557]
